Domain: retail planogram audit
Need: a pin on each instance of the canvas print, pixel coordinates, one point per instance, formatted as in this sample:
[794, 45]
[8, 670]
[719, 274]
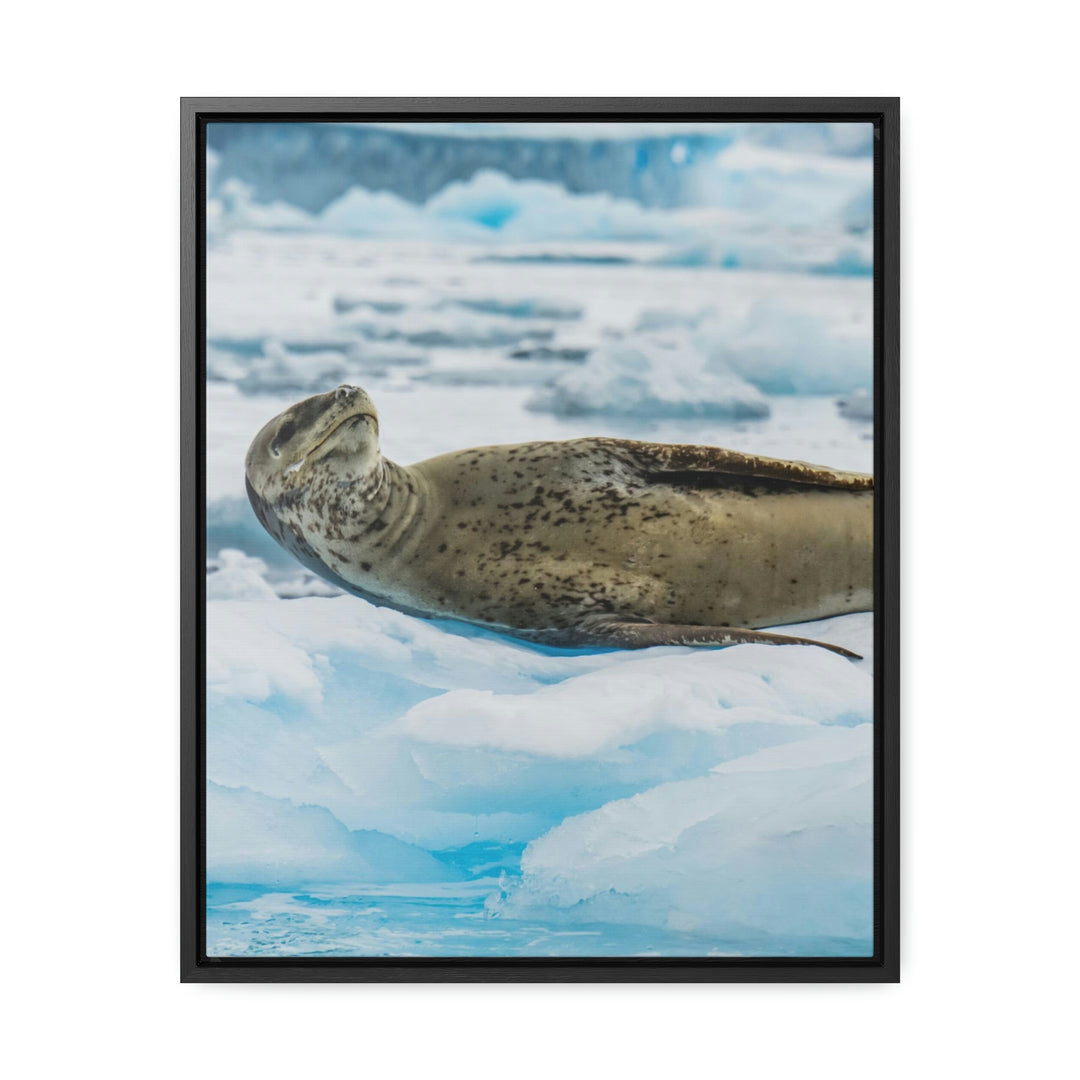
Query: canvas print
[540, 539]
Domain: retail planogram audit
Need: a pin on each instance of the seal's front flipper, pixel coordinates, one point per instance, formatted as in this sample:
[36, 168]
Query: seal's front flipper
[640, 635]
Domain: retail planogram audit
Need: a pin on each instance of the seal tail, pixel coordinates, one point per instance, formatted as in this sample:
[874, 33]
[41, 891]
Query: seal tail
[635, 635]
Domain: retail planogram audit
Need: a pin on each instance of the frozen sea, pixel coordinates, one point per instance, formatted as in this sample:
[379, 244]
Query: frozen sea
[386, 786]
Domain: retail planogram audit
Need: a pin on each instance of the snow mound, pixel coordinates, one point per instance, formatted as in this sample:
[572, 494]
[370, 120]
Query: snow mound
[254, 652]
[737, 852]
[654, 379]
[704, 692]
[254, 839]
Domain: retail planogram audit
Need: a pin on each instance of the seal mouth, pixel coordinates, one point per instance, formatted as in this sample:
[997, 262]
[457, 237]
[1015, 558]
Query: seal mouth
[353, 419]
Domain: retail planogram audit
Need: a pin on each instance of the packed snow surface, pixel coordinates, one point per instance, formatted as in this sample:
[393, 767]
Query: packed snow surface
[385, 785]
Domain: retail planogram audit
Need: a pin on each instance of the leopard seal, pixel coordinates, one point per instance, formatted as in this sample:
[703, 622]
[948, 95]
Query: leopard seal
[588, 542]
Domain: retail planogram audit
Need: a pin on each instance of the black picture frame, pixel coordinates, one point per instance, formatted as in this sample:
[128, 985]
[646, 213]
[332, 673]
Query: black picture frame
[884, 965]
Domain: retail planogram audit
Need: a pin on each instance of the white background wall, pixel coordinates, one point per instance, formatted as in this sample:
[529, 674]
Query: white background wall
[89, 492]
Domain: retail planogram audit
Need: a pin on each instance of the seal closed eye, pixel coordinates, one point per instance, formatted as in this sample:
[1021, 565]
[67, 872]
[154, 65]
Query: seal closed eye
[588, 542]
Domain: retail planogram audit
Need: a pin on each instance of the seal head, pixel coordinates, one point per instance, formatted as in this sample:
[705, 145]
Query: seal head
[342, 424]
[334, 434]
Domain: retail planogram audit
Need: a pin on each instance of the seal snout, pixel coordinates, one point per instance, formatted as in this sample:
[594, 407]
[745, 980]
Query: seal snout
[350, 404]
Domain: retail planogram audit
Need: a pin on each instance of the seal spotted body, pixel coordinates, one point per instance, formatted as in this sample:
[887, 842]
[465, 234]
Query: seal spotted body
[588, 542]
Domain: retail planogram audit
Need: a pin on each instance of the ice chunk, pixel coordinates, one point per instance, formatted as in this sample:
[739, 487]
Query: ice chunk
[344, 303]
[234, 207]
[858, 405]
[374, 213]
[570, 354]
[814, 251]
[650, 379]
[858, 214]
[490, 374]
[491, 205]
[778, 843]
[304, 584]
[235, 576]
[534, 209]
[519, 308]
[450, 329]
[255, 839]
[783, 349]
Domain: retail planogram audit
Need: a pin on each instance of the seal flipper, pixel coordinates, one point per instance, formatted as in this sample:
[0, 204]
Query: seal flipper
[657, 461]
[641, 635]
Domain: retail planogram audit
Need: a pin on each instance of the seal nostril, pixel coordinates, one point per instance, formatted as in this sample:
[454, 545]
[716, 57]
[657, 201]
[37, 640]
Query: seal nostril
[343, 392]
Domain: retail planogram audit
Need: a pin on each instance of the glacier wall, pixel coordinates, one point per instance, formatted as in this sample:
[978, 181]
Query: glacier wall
[310, 165]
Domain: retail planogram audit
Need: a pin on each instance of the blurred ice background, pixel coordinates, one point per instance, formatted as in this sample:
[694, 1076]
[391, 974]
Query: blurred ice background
[381, 785]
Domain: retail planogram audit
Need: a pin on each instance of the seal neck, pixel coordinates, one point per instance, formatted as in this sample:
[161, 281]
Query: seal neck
[385, 504]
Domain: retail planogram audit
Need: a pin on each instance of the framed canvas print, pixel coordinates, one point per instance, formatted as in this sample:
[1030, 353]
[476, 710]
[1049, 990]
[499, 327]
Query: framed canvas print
[540, 522]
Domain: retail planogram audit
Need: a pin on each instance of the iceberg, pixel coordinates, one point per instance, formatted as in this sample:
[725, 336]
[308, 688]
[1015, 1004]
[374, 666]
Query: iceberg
[308, 166]
[234, 207]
